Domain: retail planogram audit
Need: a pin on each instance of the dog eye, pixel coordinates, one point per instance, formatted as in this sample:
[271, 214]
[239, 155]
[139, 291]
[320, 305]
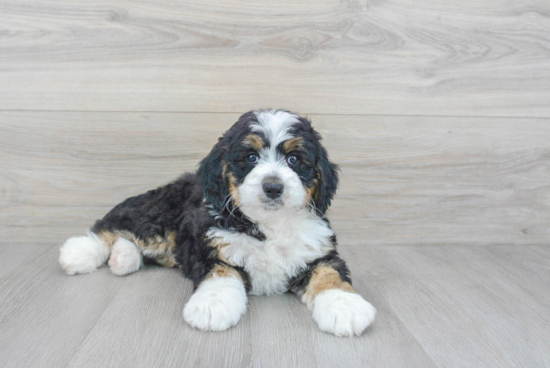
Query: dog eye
[292, 159]
[252, 158]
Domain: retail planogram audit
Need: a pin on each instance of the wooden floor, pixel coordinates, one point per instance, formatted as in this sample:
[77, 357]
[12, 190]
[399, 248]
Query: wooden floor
[437, 111]
[446, 306]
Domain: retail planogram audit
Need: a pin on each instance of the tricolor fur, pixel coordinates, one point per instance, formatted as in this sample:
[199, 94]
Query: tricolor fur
[250, 220]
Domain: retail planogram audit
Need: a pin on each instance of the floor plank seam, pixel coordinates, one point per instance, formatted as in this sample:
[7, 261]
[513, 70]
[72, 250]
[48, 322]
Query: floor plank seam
[47, 247]
[93, 325]
[388, 304]
[31, 278]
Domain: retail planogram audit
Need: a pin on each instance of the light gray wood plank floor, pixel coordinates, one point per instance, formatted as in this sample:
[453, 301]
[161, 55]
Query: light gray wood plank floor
[447, 306]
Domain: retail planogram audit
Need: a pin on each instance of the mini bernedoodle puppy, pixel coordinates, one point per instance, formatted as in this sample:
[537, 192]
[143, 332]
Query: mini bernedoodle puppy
[250, 220]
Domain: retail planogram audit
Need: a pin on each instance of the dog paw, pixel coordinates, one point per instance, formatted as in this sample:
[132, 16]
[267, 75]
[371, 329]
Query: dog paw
[83, 254]
[125, 258]
[342, 313]
[218, 304]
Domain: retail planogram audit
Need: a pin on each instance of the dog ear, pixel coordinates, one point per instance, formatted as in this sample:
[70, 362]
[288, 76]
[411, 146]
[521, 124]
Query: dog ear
[328, 176]
[210, 173]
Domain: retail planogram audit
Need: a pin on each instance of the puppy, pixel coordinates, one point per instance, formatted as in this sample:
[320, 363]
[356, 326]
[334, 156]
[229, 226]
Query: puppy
[251, 220]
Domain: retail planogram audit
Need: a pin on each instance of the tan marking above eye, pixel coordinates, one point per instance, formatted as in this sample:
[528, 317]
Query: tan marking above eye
[254, 141]
[293, 144]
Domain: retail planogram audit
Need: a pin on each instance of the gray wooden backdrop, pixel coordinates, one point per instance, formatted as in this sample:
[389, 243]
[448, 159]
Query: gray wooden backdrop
[438, 112]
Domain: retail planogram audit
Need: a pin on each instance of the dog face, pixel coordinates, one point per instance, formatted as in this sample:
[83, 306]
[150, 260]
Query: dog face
[269, 162]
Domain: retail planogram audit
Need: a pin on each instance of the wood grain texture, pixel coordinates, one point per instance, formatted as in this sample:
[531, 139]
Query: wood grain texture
[404, 57]
[44, 314]
[466, 306]
[276, 332]
[12, 257]
[405, 180]
[454, 306]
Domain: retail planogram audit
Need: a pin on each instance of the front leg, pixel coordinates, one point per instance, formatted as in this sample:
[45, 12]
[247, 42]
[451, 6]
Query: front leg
[325, 287]
[219, 300]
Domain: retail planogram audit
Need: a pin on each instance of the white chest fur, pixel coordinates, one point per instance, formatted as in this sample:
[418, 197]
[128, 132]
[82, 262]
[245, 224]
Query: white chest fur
[290, 244]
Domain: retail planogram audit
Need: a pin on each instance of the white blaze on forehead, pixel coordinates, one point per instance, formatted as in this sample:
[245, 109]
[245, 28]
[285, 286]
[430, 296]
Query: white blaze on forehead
[275, 126]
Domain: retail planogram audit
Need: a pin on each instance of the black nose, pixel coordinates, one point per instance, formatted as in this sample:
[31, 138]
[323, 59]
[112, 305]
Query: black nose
[273, 190]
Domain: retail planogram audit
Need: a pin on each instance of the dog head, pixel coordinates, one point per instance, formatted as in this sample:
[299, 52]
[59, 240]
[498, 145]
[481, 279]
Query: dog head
[269, 162]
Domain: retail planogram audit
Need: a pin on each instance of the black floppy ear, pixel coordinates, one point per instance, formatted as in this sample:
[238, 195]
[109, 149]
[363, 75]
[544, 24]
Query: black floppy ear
[211, 175]
[328, 180]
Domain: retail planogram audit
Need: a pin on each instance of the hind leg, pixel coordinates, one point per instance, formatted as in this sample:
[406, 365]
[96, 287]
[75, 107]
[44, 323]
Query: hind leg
[83, 254]
[125, 257]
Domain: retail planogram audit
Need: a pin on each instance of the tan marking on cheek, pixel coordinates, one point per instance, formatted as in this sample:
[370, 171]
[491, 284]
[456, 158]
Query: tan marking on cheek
[324, 278]
[312, 190]
[318, 181]
[293, 144]
[233, 191]
[319, 173]
[254, 141]
[231, 184]
[312, 193]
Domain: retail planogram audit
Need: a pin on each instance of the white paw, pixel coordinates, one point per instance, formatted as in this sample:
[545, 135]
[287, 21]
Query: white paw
[125, 258]
[218, 304]
[342, 313]
[83, 254]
